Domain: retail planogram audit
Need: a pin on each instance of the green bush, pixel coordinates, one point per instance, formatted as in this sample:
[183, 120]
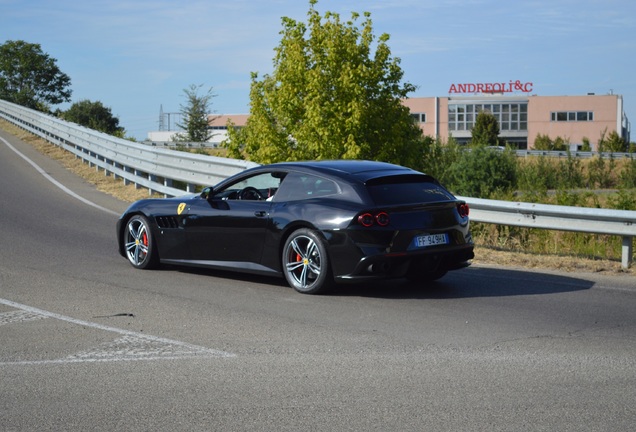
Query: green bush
[570, 173]
[627, 176]
[624, 199]
[439, 157]
[537, 175]
[566, 197]
[481, 172]
[599, 173]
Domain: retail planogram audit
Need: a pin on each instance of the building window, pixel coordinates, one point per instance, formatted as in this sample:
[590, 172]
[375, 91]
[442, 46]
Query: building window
[510, 116]
[570, 116]
[419, 117]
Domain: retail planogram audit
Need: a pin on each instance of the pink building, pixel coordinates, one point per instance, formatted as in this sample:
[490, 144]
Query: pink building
[522, 117]
[219, 122]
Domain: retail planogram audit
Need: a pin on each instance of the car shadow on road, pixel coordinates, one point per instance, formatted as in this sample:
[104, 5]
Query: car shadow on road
[470, 283]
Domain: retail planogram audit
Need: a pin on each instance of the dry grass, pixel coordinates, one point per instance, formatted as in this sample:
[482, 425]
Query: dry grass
[570, 264]
[483, 254]
[103, 183]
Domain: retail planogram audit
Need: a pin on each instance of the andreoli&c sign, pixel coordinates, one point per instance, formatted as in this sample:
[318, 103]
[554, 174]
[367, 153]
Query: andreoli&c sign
[509, 87]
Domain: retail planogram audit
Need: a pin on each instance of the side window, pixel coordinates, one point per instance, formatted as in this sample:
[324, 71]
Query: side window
[258, 187]
[299, 186]
[392, 193]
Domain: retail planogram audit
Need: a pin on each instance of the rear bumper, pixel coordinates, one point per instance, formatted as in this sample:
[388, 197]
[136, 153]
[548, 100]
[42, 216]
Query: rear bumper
[389, 266]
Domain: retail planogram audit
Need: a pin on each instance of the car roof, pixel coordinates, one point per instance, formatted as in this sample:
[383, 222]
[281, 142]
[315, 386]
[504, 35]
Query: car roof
[362, 170]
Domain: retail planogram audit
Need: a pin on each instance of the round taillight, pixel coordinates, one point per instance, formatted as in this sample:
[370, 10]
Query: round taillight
[366, 219]
[369, 219]
[463, 209]
[382, 219]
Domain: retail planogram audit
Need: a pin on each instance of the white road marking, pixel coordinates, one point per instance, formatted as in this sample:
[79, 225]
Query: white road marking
[131, 346]
[56, 183]
[18, 316]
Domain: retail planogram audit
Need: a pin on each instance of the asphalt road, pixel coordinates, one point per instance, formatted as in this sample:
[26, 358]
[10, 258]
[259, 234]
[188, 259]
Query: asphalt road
[88, 343]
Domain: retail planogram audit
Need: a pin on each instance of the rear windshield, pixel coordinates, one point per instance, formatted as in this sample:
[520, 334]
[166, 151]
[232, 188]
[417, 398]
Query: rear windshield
[398, 190]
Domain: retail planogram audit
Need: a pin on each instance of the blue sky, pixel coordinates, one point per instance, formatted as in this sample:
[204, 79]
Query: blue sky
[136, 56]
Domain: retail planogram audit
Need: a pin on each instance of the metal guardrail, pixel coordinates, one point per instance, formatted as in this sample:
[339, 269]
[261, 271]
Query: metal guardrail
[576, 154]
[559, 154]
[560, 218]
[157, 168]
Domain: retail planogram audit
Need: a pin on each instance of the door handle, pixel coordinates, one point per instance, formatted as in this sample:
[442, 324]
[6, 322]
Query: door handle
[260, 213]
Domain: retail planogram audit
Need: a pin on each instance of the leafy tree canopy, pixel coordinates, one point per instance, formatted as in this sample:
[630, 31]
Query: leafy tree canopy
[612, 143]
[31, 78]
[544, 142]
[486, 129]
[330, 96]
[481, 172]
[94, 115]
[195, 113]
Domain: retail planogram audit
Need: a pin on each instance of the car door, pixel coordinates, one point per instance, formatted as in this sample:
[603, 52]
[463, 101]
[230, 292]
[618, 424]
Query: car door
[227, 231]
[230, 226]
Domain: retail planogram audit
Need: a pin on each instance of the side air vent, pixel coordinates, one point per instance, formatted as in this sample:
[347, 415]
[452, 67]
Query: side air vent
[167, 222]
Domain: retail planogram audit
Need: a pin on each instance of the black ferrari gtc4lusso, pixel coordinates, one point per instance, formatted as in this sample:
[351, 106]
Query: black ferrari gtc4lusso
[316, 223]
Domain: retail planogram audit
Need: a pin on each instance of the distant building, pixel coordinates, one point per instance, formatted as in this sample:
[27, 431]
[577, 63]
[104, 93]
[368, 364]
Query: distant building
[522, 117]
[218, 125]
[218, 128]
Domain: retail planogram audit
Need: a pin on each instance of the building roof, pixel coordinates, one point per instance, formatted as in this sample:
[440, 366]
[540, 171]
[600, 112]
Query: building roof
[221, 120]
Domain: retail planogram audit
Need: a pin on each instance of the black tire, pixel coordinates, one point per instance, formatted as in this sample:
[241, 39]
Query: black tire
[139, 244]
[305, 263]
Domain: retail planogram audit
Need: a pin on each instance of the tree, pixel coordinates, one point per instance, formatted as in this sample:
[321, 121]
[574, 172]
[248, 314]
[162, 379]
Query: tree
[544, 142]
[481, 172]
[31, 78]
[613, 143]
[439, 157]
[561, 144]
[195, 113]
[586, 146]
[94, 115]
[329, 97]
[486, 129]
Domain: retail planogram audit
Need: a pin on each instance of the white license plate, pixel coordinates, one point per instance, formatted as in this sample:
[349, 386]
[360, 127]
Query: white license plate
[431, 240]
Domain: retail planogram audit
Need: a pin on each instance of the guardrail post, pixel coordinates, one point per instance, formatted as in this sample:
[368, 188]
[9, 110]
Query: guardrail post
[137, 174]
[628, 251]
[168, 183]
[153, 179]
[126, 180]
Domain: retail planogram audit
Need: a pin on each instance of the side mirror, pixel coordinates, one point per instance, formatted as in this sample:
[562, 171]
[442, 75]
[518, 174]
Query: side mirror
[207, 193]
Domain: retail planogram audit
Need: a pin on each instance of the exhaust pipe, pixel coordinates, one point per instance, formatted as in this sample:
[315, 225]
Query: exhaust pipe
[381, 267]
